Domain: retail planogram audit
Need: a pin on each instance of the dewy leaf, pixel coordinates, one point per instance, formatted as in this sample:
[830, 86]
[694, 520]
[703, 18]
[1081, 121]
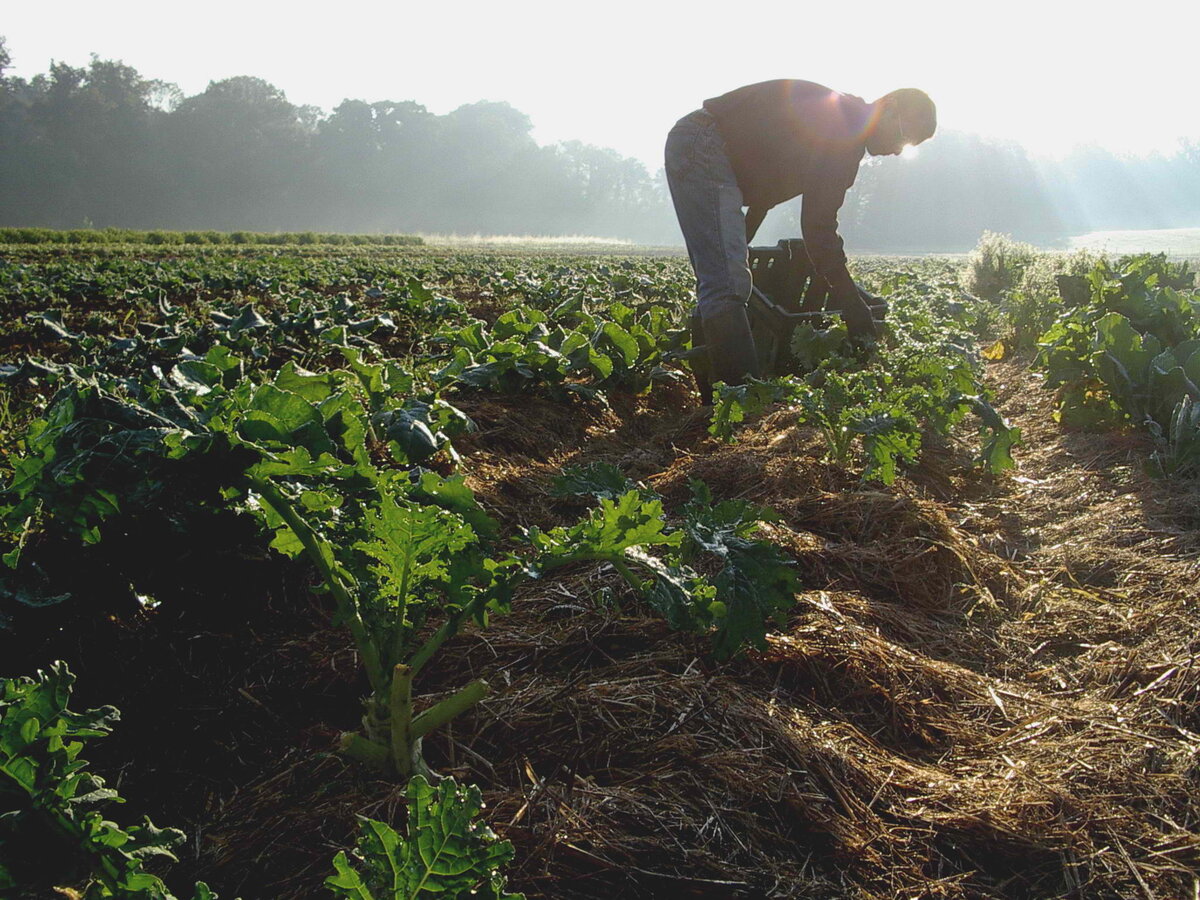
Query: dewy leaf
[247, 319]
[677, 593]
[444, 853]
[410, 430]
[757, 585]
[53, 322]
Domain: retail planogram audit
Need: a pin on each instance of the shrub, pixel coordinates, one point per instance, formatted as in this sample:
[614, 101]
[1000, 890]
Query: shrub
[997, 264]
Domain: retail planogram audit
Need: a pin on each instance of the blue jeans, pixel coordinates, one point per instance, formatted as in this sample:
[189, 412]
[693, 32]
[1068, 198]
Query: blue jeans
[708, 203]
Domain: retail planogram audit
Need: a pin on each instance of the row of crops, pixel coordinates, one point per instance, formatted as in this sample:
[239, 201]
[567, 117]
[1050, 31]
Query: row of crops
[107, 236]
[316, 407]
[1116, 340]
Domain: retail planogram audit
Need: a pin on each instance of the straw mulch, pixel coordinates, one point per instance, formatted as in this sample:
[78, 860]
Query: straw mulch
[988, 687]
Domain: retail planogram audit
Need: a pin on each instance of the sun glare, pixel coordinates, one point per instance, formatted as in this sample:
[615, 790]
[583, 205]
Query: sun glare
[910, 151]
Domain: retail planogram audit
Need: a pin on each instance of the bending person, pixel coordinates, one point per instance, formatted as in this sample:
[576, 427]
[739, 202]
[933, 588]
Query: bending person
[756, 147]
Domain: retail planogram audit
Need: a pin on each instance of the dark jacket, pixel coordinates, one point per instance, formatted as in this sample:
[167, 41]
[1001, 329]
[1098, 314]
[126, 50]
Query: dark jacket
[786, 138]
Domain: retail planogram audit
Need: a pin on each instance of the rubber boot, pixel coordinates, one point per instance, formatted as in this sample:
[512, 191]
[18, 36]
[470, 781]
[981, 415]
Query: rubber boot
[731, 353]
[701, 369]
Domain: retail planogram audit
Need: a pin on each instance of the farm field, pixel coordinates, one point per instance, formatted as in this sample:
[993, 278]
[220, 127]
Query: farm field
[1184, 242]
[916, 620]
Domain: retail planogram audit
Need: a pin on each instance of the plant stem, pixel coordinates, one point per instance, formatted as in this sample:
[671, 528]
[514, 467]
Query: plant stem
[402, 720]
[442, 712]
[346, 603]
[358, 747]
[625, 572]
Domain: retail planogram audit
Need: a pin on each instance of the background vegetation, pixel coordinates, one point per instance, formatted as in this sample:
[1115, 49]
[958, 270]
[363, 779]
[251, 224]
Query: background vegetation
[105, 146]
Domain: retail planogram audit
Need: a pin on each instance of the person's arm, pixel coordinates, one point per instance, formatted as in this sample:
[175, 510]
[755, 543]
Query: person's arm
[818, 225]
[754, 218]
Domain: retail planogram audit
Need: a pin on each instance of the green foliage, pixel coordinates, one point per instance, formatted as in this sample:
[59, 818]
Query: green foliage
[811, 347]
[617, 525]
[413, 557]
[1048, 284]
[104, 236]
[568, 350]
[1131, 353]
[446, 851]
[396, 548]
[1179, 447]
[921, 378]
[998, 437]
[733, 403]
[51, 832]
[598, 479]
[754, 583]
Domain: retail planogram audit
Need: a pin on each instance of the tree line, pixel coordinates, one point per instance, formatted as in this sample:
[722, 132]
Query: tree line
[101, 145]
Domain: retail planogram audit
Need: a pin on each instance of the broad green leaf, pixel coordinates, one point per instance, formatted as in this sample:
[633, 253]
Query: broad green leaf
[625, 342]
[445, 851]
[756, 584]
[596, 479]
[40, 743]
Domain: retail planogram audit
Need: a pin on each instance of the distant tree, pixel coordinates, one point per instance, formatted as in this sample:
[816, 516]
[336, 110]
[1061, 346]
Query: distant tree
[614, 194]
[482, 149]
[236, 157]
[80, 141]
[957, 186]
[372, 164]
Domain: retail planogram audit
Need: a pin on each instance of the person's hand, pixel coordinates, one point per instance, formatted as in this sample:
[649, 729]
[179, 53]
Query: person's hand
[857, 316]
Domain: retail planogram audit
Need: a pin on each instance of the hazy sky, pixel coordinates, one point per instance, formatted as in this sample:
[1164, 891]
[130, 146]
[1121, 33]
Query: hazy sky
[618, 73]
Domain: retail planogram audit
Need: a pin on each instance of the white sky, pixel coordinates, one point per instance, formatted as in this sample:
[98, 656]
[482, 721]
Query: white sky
[618, 73]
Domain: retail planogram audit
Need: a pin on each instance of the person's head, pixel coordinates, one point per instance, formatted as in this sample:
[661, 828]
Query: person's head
[903, 117]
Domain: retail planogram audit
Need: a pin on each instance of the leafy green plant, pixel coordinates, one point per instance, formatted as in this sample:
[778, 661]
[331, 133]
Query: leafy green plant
[445, 852]
[1179, 445]
[753, 585]
[417, 557]
[1131, 353]
[582, 353]
[734, 403]
[599, 479]
[52, 834]
[921, 378]
[395, 547]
